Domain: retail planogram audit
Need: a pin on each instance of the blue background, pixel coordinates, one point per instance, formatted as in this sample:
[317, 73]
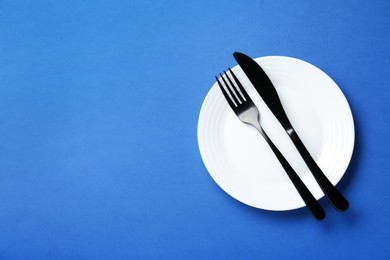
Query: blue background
[99, 102]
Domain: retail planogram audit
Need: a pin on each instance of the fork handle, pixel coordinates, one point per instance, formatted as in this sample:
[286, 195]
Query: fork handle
[337, 200]
[303, 191]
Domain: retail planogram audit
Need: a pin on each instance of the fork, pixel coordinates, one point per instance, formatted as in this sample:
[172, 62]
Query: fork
[243, 106]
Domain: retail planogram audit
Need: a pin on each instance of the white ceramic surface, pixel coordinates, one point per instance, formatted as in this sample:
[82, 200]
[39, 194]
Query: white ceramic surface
[241, 162]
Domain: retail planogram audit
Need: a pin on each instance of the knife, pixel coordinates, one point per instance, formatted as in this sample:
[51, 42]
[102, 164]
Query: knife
[267, 91]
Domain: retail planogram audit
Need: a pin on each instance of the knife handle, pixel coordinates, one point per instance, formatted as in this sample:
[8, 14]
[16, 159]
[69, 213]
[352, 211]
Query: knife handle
[337, 200]
[313, 205]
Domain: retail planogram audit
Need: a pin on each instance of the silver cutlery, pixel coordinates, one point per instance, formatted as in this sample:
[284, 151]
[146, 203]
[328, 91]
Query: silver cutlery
[243, 106]
[268, 93]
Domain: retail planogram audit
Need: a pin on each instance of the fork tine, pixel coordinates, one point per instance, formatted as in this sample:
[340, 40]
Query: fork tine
[236, 89]
[227, 97]
[232, 90]
[240, 87]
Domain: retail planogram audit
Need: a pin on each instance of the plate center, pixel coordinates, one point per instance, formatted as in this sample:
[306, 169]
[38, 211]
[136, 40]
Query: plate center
[250, 154]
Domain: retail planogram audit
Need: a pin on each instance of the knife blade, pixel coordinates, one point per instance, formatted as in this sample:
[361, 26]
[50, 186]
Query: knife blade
[268, 93]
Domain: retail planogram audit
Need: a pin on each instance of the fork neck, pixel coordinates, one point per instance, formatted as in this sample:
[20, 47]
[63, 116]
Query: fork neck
[252, 117]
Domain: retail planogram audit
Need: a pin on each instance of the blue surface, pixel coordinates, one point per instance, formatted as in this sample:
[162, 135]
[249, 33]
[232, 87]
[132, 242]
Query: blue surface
[99, 102]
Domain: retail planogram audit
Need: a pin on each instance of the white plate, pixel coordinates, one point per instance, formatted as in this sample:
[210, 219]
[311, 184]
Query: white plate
[239, 159]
